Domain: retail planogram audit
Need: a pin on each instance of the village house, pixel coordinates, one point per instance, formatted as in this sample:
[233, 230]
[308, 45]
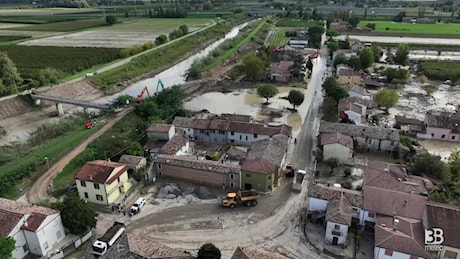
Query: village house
[103, 182]
[410, 126]
[354, 90]
[339, 26]
[347, 52]
[264, 162]
[279, 72]
[365, 137]
[157, 136]
[339, 207]
[354, 109]
[134, 163]
[442, 126]
[337, 145]
[225, 131]
[35, 229]
[446, 217]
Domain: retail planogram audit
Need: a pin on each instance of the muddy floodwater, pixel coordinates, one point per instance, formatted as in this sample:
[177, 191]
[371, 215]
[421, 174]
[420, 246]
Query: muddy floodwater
[247, 102]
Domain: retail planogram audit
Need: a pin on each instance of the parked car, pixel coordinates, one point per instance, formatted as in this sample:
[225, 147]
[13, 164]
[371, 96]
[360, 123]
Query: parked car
[136, 208]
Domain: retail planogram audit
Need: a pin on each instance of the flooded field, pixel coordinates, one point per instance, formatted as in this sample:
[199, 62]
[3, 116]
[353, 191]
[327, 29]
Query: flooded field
[441, 148]
[247, 102]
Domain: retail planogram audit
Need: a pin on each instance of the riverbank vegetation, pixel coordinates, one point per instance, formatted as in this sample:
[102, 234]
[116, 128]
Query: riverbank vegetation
[23, 163]
[164, 55]
[225, 50]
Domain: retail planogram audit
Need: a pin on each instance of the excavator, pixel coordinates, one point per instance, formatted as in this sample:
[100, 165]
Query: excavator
[146, 90]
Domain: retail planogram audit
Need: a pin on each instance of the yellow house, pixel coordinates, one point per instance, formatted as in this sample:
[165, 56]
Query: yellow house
[350, 77]
[102, 182]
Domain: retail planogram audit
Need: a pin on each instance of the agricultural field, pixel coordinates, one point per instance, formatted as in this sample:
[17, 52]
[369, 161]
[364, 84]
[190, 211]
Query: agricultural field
[66, 59]
[441, 70]
[66, 26]
[289, 22]
[276, 38]
[121, 35]
[408, 28]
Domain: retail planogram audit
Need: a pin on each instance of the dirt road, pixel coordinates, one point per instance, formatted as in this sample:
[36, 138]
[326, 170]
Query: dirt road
[39, 190]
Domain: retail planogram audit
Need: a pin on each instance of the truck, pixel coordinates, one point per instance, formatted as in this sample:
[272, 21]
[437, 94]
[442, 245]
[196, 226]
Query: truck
[102, 244]
[245, 197]
[298, 179]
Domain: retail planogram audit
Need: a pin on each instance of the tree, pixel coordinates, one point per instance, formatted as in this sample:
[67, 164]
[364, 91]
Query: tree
[355, 63]
[366, 56]
[267, 92]
[423, 79]
[401, 54]
[332, 33]
[161, 39]
[431, 166]
[332, 46]
[353, 21]
[135, 149]
[7, 246]
[333, 162]
[340, 59]
[110, 19]
[76, 214]
[209, 251]
[8, 72]
[330, 109]
[398, 18]
[333, 89]
[386, 98]
[295, 97]
[371, 26]
[377, 51]
[253, 66]
[184, 29]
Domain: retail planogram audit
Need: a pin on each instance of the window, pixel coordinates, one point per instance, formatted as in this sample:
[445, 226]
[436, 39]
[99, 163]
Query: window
[96, 186]
[201, 131]
[232, 133]
[443, 136]
[370, 141]
[269, 187]
[246, 138]
[240, 137]
[58, 234]
[45, 245]
[388, 252]
[432, 134]
[370, 215]
[213, 131]
[231, 184]
[248, 175]
[337, 227]
[159, 166]
[354, 210]
[99, 197]
[453, 137]
[118, 179]
[222, 132]
[86, 194]
[25, 248]
[270, 177]
[83, 183]
[207, 133]
[231, 176]
[255, 135]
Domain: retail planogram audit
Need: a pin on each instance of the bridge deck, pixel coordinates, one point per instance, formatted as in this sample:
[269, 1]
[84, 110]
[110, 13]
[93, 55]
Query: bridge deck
[80, 103]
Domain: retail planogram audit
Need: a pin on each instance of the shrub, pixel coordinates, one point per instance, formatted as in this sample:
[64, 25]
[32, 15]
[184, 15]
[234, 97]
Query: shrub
[346, 172]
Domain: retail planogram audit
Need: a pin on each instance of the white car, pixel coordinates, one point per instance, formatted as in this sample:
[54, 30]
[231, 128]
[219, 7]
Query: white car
[137, 206]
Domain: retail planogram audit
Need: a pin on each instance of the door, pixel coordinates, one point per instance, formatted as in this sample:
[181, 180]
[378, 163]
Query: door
[335, 240]
[248, 186]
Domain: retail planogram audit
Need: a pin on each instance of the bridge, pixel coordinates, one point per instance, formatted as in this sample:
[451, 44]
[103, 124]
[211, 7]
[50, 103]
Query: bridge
[60, 100]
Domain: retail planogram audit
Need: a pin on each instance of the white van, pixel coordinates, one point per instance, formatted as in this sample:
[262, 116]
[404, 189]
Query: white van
[137, 206]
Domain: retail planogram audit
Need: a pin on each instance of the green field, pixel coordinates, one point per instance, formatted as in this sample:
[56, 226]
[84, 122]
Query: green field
[276, 38]
[159, 25]
[392, 27]
[66, 26]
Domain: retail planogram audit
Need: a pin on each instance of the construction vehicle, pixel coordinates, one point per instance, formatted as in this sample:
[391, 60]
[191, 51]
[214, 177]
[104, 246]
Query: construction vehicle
[102, 244]
[246, 197]
[159, 83]
[141, 96]
[89, 125]
[298, 179]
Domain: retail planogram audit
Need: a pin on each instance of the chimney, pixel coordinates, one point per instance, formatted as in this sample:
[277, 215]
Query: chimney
[395, 224]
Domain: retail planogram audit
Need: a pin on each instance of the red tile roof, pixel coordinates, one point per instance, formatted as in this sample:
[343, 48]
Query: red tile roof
[34, 221]
[219, 124]
[408, 238]
[393, 203]
[259, 166]
[447, 217]
[201, 123]
[444, 120]
[99, 171]
[339, 138]
[9, 221]
[159, 128]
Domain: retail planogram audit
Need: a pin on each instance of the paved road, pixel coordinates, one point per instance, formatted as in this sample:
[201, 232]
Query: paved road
[39, 190]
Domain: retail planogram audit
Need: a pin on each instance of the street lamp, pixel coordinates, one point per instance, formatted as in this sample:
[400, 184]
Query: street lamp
[47, 163]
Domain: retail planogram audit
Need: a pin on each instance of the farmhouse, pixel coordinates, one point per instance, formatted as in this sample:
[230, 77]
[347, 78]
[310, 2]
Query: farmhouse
[442, 126]
[35, 229]
[365, 137]
[353, 108]
[280, 72]
[135, 163]
[410, 126]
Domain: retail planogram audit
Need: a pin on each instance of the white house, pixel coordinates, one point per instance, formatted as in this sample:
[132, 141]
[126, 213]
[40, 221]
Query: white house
[337, 145]
[354, 108]
[442, 126]
[36, 229]
[339, 207]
